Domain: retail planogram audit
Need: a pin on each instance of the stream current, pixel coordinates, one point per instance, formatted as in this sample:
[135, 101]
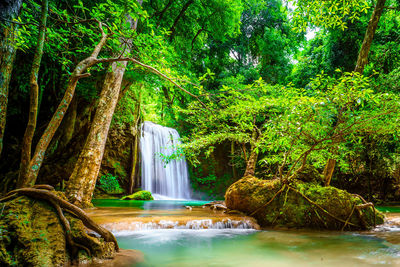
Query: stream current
[171, 235]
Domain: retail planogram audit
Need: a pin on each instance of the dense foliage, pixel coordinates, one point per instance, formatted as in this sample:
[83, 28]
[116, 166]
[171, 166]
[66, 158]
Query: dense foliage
[238, 79]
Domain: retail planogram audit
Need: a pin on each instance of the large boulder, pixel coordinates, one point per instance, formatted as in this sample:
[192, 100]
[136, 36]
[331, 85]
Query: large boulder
[31, 234]
[301, 205]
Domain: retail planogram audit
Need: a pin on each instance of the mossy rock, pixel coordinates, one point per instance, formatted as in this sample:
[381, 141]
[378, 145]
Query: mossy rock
[141, 195]
[31, 235]
[303, 205]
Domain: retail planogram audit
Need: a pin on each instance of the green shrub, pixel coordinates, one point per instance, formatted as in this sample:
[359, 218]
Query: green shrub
[109, 183]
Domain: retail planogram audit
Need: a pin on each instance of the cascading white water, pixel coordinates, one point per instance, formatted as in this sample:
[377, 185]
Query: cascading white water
[121, 228]
[162, 180]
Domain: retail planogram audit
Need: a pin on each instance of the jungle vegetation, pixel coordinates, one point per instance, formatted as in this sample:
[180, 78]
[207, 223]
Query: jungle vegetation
[243, 82]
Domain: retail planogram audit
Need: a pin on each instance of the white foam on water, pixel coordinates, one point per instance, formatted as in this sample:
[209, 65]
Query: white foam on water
[123, 229]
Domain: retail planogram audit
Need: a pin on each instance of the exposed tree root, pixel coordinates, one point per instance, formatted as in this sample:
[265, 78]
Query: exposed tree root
[270, 201]
[8, 197]
[346, 222]
[44, 186]
[321, 208]
[68, 236]
[319, 217]
[348, 218]
[364, 206]
[44, 192]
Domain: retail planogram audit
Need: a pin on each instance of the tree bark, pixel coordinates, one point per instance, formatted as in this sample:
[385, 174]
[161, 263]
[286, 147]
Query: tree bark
[362, 60]
[34, 94]
[8, 11]
[82, 182]
[251, 164]
[369, 36]
[328, 171]
[135, 148]
[40, 150]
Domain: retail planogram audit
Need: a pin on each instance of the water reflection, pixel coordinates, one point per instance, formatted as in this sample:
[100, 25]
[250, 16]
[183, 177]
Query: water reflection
[148, 205]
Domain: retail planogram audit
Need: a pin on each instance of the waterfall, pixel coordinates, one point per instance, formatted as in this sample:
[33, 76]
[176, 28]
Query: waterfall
[162, 180]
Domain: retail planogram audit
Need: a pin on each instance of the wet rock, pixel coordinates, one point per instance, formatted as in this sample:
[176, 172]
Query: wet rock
[300, 205]
[216, 205]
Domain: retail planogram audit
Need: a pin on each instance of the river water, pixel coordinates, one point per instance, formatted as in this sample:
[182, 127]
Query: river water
[171, 235]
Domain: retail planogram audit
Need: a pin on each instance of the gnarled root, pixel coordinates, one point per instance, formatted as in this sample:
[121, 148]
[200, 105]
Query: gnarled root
[43, 192]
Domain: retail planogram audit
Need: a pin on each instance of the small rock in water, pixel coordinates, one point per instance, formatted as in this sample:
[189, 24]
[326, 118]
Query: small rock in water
[219, 207]
[215, 205]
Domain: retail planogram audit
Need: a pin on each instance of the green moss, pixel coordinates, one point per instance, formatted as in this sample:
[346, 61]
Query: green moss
[141, 195]
[305, 205]
[31, 235]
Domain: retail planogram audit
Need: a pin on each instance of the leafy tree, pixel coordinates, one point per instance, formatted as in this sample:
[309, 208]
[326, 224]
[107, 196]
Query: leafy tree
[293, 127]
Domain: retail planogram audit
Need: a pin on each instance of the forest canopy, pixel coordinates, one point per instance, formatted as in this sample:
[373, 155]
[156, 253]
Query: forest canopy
[242, 79]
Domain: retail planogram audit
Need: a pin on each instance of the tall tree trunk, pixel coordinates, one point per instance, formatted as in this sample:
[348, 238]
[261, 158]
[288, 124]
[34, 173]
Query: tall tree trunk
[369, 36]
[251, 164]
[34, 96]
[328, 171]
[82, 182]
[8, 11]
[252, 160]
[40, 150]
[362, 60]
[135, 148]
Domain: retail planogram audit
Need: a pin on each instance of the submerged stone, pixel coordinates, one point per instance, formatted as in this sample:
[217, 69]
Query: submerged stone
[300, 205]
[141, 195]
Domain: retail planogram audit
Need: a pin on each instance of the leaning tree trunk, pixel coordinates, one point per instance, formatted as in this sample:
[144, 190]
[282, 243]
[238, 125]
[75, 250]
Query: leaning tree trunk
[81, 184]
[8, 11]
[369, 36]
[34, 96]
[362, 60]
[82, 181]
[78, 73]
